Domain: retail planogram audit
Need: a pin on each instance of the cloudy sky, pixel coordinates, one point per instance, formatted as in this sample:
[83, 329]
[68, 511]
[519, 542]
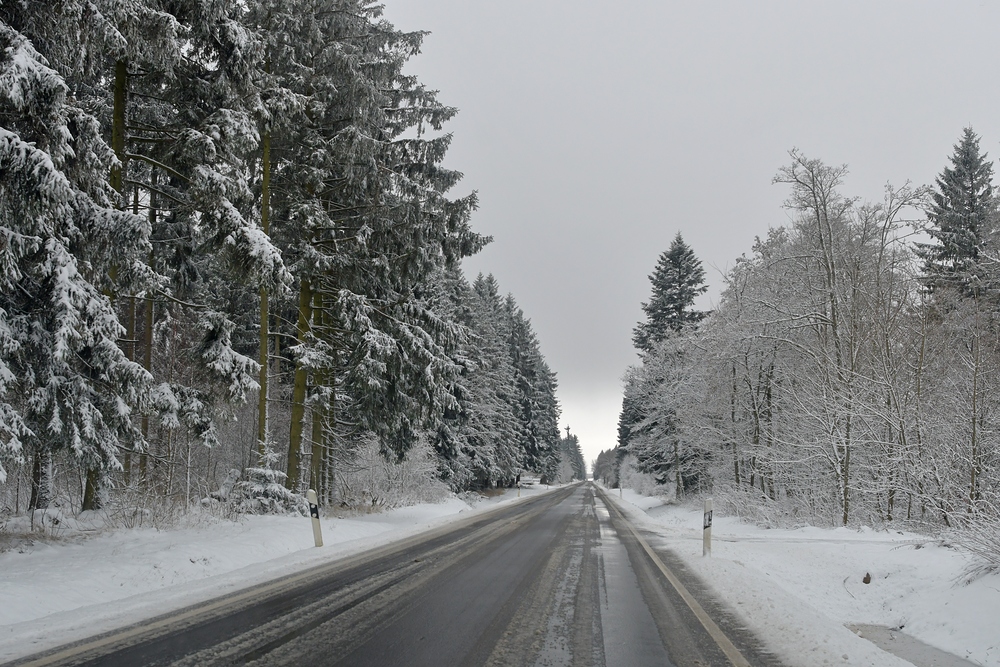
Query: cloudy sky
[595, 131]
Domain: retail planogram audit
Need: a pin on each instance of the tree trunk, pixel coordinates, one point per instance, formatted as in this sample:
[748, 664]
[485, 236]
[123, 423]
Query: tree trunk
[732, 421]
[319, 459]
[299, 389]
[130, 344]
[677, 468]
[846, 480]
[91, 494]
[974, 467]
[265, 206]
[41, 480]
[319, 456]
[147, 341]
[118, 126]
[92, 490]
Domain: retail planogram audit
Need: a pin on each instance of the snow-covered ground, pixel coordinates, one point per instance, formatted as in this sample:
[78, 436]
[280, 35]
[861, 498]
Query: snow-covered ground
[801, 588]
[57, 591]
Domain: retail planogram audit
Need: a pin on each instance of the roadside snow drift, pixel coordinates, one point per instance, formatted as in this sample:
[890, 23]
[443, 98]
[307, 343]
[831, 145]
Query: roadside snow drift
[799, 589]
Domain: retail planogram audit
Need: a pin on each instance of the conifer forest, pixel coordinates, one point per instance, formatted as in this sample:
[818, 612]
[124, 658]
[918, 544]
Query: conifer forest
[301, 365]
[230, 268]
[848, 373]
[231, 271]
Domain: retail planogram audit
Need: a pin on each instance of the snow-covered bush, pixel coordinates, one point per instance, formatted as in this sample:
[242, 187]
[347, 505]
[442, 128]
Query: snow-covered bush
[983, 539]
[136, 506]
[640, 482]
[262, 491]
[372, 482]
[751, 504]
[981, 535]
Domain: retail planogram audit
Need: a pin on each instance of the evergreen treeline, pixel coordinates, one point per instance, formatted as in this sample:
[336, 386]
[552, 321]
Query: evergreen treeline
[848, 373]
[204, 204]
[572, 465]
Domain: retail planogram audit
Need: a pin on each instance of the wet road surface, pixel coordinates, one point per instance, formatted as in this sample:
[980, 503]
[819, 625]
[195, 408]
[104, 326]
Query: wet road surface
[559, 579]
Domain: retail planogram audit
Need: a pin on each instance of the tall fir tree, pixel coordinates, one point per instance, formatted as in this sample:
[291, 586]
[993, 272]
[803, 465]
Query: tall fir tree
[678, 280]
[478, 436]
[361, 215]
[963, 216]
[569, 448]
[538, 407]
[64, 382]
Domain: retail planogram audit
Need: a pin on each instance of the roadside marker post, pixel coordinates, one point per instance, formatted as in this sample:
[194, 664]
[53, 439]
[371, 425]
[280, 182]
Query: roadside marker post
[314, 513]
[706, 544]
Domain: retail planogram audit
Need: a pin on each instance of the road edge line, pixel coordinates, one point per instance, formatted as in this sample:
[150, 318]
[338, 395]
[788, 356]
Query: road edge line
[725, 644]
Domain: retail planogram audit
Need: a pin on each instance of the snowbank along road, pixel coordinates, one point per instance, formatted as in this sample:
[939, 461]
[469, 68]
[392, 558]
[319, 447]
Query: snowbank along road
[560, 579]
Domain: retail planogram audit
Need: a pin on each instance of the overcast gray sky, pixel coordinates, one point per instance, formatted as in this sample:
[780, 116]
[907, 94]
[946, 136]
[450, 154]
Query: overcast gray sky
[595, 131]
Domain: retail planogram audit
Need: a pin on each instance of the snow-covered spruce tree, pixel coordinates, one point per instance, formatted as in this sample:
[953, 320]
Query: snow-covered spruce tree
[569, 449]
[678, 280]
[178, 112]
[262, 489]
[64, 382]
[478, 437]
[195, 153]
[607, 466]
[960, 270]
[314, 90]
[89, 44]
[381, 226]
[963, 217]
[537, 405]
[495, 387]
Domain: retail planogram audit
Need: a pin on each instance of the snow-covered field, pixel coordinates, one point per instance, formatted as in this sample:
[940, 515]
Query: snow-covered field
[802, 588]
[57, 591]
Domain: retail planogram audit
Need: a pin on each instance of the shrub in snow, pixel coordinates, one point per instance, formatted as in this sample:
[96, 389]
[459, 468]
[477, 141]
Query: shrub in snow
[225, 489]
[372, 482]
[135, 506]
[641, 482]
[262, 491]
[751, 504]
[981, 536]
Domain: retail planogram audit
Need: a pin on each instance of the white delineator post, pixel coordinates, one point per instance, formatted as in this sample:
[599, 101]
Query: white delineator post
[314, 513]
[706, 544]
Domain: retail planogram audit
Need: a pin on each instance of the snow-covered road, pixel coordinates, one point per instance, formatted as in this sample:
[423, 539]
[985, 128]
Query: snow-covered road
[798, 590]
[69, 587]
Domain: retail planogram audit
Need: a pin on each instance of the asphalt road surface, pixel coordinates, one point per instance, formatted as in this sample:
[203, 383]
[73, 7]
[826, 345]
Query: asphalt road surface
[558, 579]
